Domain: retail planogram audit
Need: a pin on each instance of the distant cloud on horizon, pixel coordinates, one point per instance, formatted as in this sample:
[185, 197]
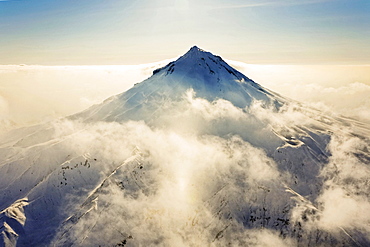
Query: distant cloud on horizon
[28, 96]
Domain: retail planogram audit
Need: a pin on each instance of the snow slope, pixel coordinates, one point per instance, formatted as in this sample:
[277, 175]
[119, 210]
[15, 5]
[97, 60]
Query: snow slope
[196, 155]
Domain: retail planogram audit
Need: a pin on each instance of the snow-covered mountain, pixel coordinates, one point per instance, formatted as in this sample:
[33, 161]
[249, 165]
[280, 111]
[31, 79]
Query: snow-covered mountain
[207, 75]
[196, 155]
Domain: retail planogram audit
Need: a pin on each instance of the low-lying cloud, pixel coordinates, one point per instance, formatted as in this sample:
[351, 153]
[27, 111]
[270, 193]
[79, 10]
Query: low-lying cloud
[178, 185]
[202, 187]
[33, 94]
[331, 88]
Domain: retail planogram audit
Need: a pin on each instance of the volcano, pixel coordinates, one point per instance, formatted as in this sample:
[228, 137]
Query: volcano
[209, 76]
[196, 155]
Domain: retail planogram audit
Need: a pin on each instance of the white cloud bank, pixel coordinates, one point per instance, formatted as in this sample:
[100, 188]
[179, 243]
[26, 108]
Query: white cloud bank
[198, 175]
[196, 185]
[32, 94]
[187, 188]
[339, 88]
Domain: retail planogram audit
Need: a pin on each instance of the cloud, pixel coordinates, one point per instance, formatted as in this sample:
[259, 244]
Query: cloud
[4, 108]
[197, 187]
[183, 188]
[333, 89]
[202, 173]
[41, 93]
[342, 207]
[342, 210]
[345, 192]
[256, 4]
[266, 237]
[169, 202]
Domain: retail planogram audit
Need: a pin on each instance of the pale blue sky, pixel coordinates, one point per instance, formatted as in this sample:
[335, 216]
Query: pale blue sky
[63, 32]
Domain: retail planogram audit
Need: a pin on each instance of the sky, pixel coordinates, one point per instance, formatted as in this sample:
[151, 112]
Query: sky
[86, 32]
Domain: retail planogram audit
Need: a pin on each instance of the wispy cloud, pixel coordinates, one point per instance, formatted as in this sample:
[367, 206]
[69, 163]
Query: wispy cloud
[254, 4]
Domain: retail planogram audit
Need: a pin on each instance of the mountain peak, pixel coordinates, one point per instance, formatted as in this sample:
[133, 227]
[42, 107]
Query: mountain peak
[195, 49]
[200, 62]
[196, 53]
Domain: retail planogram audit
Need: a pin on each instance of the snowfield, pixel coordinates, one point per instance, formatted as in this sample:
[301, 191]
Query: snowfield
[196, 155]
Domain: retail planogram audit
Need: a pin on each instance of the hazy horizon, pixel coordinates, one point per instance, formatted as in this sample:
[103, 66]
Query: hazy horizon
[31, 94]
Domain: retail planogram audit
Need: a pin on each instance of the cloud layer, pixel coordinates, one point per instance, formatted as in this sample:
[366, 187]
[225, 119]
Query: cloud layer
[340, 89]
[32, 94]
[201, 187]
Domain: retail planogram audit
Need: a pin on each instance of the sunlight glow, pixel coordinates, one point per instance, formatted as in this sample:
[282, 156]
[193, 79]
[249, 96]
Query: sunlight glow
[182, 183]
